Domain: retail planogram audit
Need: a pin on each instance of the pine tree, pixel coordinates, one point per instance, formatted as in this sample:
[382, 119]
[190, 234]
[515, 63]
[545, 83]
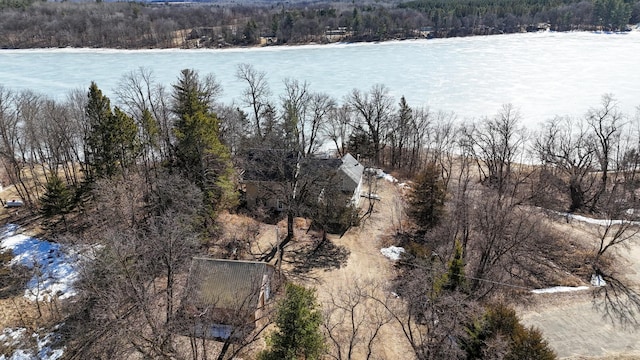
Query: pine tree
[298, 320]
[200, 155]
[426, 201]
[360, 143]
[57, 200]
[454, 279]
[110, 138]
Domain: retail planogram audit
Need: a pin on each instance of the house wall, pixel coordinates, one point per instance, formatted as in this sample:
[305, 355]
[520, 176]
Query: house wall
[262, 193]
[355, 200]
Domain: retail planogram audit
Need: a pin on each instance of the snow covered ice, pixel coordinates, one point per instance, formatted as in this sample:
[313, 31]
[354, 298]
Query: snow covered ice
[536, 72]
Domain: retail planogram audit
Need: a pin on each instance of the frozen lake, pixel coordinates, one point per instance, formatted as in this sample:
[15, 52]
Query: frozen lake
[543, 74]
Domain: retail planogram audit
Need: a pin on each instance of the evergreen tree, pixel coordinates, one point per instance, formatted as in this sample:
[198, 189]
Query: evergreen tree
[298, 320]
[454, 279]
[110, 138]
[57, 199]
[426, 201]
[200, 155]
[360, 143]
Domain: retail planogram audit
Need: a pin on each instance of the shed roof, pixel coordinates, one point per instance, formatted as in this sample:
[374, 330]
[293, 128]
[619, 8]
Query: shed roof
[226, 284]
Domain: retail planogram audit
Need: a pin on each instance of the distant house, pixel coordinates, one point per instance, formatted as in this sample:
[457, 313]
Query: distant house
[272, 175]
[225, 299]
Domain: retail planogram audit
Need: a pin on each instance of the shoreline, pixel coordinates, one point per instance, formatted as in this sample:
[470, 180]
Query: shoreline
[308, 45]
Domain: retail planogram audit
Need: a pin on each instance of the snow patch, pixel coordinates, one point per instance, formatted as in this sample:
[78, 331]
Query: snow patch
[380, 174]
[597, 280]
[559, 289]
[392, 252]
[43, 351]
[11, 337]
[600, 222]
[54, 267]
[387, 177]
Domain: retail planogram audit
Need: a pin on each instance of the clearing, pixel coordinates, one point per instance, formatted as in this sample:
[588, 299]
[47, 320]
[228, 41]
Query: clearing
[571, 324]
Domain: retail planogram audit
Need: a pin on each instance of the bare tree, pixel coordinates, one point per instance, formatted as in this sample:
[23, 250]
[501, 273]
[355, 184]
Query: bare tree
[318, 113]
[353, 320]
[338, 127]
[437, 134]
[502, 233]
[374, 111]
[129, 288]
[496, 143]
[566, 148]
[233, 128]
[295, 102]
[256, 95]
[429, 319]
[606, 123]
[615, 296]
[12, 150]
[147, 102]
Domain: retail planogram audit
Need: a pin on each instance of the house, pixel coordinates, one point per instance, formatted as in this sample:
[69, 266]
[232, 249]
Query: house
[351, 171]
[268, 177]
[271, 176]
[225, 299]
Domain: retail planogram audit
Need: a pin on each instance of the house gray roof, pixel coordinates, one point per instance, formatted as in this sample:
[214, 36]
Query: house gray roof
[352, 169]
[226, 284]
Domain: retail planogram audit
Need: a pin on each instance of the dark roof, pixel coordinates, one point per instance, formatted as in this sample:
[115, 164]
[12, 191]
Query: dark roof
[278, 165]
[270, 165]
[226, 284]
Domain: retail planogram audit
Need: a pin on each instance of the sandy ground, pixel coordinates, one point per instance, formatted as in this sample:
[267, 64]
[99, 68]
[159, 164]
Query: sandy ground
[365, 266]
[575, 329]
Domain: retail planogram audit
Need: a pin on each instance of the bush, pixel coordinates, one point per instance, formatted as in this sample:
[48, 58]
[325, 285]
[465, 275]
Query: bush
[500, 322]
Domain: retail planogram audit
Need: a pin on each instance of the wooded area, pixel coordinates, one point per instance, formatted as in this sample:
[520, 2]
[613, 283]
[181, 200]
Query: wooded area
[142, 178]
[131, 25]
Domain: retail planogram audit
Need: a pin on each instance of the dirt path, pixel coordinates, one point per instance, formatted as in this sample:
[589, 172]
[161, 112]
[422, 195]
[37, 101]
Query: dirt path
[576, 330]
[367, 265]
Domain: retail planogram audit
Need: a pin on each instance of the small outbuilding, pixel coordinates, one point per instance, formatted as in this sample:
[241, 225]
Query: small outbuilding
[225, 299]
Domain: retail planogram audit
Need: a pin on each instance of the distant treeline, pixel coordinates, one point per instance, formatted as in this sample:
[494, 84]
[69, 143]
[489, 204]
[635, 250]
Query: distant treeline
[28, 24]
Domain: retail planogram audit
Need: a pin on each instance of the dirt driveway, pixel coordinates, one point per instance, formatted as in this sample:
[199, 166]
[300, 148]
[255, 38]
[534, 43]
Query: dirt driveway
[366, 265]
[576, 330]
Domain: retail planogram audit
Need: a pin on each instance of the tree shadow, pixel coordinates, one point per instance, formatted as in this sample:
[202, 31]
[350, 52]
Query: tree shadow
[324, 255]
[617, 300]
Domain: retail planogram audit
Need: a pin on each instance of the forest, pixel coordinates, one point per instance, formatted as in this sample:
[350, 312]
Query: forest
[147, 179]
[133, 25]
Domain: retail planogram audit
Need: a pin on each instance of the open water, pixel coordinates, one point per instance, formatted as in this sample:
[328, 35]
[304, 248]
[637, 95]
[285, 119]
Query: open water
[542, 74]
